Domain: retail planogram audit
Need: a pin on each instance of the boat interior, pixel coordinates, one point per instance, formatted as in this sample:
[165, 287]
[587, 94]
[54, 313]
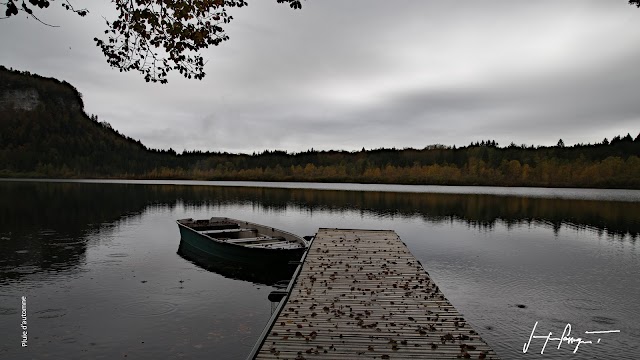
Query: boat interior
[233, 233]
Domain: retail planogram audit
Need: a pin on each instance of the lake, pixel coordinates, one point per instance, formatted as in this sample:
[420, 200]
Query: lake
[97, 263]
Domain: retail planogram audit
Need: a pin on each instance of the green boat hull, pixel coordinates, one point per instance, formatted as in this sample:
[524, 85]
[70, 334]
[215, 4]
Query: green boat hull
[206, 246]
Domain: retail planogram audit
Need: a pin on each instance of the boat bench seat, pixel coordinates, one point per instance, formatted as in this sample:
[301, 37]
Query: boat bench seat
[260, 239]
[224, 231]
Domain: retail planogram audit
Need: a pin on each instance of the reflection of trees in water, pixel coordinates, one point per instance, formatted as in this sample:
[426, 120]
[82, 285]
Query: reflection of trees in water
[54, 221]
[48, 226]
[57, 205]
[485, 211]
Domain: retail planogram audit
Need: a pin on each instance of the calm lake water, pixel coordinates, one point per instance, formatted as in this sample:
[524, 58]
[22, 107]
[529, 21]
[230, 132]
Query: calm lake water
[97, 262]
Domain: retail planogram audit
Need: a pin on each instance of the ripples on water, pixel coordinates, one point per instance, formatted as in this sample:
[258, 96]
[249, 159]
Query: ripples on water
[106, 281]
[145, 308]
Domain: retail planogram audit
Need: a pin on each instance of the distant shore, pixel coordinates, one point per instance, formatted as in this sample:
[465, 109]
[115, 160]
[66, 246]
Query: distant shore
[627, 195]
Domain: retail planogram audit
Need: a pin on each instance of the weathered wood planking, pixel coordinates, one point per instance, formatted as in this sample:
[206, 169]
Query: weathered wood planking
[362, 295]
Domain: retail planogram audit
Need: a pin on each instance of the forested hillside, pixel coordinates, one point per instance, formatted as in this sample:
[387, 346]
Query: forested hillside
[44, 132]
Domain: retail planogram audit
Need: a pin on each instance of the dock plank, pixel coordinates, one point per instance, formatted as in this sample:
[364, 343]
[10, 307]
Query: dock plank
[362, 295]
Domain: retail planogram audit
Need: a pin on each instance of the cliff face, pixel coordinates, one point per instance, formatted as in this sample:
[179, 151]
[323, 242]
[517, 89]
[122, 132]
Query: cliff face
[19, 99]
[25, 91]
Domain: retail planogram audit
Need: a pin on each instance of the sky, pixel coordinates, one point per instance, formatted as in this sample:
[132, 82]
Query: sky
[343, 75]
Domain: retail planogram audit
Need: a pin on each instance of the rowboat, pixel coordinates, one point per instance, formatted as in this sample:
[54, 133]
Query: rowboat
[240, 241]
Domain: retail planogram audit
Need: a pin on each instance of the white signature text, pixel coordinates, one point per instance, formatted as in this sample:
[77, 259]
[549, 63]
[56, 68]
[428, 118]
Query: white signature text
[565, 337]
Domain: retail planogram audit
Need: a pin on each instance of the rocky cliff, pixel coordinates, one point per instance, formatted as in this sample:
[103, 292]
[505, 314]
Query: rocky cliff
[25, 91]
[19, 99]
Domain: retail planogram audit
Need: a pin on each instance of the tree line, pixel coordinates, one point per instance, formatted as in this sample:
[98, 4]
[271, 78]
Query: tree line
[614, 163]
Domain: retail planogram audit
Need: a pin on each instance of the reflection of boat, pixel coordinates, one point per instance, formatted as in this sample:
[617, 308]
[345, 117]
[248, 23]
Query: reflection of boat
[240, 241]
[266, 273]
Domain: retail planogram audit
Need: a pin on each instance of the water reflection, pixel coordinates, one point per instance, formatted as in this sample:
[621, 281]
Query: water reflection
[49, 225]
[266, 273]
[98, 263]
[93, 204]
[611, 217]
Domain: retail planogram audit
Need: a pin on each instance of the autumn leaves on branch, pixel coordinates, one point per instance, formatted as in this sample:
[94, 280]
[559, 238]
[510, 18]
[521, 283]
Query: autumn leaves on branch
[154, 37]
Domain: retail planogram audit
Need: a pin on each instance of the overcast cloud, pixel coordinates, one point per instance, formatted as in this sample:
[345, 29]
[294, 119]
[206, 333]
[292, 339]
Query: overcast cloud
[353, 74]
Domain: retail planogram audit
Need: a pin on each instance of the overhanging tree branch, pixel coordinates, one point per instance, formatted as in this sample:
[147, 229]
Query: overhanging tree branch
[155, 37]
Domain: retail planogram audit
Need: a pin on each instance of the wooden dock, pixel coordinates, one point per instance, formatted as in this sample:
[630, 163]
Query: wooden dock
[360, 294]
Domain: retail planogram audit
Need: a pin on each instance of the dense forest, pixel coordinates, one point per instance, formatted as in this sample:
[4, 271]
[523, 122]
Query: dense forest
[44, 132]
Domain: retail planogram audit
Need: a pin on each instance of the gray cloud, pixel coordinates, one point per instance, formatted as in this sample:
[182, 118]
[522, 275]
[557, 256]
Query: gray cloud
[347, 75]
